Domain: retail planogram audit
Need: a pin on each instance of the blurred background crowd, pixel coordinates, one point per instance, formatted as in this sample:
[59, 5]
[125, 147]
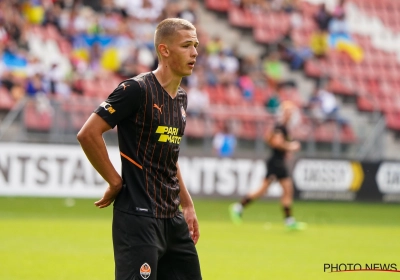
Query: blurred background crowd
[66, 56]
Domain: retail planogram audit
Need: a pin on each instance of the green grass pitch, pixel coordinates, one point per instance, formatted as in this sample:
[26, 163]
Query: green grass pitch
[43, 238]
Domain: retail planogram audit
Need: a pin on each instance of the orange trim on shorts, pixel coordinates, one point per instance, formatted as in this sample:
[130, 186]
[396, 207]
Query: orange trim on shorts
[131, 160]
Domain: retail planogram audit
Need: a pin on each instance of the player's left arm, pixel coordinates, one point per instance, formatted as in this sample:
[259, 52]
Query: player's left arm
[188, 208]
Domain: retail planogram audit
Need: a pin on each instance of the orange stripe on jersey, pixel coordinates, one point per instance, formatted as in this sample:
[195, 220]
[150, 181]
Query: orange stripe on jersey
[131, 160]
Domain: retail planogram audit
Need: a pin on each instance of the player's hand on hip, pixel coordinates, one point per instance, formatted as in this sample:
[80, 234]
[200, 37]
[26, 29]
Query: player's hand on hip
[191, 219]
[109, 196]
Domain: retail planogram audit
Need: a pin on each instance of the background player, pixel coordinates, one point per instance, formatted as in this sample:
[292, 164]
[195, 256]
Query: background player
[282, 146]
[152, 239]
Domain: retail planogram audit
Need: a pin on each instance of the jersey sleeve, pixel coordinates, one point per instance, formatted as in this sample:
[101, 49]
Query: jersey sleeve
[124, 101]
[185, 102]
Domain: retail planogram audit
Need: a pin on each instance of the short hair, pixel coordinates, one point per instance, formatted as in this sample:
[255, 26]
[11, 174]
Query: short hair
[168, 27]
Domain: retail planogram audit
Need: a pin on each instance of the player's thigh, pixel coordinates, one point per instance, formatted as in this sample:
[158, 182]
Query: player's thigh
[181, 261]
[137, 246]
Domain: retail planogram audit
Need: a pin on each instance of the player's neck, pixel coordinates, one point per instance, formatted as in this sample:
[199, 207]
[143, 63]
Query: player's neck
[168, 80]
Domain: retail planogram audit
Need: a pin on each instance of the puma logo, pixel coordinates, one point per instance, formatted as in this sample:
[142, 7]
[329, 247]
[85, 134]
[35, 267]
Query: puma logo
[158, 108]
[123, 85]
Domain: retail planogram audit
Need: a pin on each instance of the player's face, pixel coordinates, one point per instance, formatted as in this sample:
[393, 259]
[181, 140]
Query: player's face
[183, 52]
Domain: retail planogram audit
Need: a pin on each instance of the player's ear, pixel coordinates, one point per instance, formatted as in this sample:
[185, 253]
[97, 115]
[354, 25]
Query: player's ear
[163, 50]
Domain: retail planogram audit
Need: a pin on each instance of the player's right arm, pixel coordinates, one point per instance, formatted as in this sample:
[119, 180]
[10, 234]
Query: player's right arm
[91, 139]
[120, 104]
[276, 140]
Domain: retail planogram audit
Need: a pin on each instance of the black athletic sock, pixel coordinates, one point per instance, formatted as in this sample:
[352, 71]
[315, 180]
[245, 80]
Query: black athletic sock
[246, 200]
[287, 210]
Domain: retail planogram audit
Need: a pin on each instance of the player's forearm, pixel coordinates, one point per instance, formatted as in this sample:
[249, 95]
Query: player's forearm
[285, 146]
[186, 199]
[96, 151]
[290, 146]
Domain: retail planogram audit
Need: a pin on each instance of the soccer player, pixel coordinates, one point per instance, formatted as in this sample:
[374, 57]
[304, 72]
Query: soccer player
[152, 238]
[282, 145]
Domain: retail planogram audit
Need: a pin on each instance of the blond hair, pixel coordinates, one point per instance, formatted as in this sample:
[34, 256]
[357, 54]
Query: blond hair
[167, 28]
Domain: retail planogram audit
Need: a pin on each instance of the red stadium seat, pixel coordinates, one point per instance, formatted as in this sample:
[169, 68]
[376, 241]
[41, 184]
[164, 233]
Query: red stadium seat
[347, 135]
[266, 35]
[36, 120]
[219, 6]
[393, 121]
[240, 17]
[365, 103]
[313, 69]
[340, 87]
[322, 134]
[196, 129]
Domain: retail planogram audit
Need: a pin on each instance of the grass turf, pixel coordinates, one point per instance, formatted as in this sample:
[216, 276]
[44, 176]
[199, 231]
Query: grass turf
[44, 238]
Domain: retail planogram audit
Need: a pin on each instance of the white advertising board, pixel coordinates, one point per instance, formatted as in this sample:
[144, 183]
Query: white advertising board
[64, 171]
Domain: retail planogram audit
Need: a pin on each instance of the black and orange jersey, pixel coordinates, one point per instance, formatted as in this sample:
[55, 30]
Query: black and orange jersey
[150, 127]
[277, 153]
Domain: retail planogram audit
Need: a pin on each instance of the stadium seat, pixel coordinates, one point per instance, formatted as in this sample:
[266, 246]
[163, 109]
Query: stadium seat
[313, 69]
[366, 103]
[240, 17]
[338, 86]
[36, 120]
[348, 135]
[291, 94]
[197, 129]
[393, 121]
[266, 35]
[219, 6]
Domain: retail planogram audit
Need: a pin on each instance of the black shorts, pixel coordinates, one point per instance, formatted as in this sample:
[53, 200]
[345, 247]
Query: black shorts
[153, 249]
[277, 168]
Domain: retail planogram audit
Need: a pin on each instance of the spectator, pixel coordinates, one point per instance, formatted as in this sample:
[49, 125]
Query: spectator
[35, 86]
[56, 81]
[272, 104]
[7, 80]
[273, 70]
[198, 101]
[338, 29]
[247, 86]
[322, 18]
[224, 142]
[341, 39]
[230, 64]
[189, 12]
[53, 16]
[214, 46]
[323, 106]
[319, 43]
[295, 54]
[144, 10]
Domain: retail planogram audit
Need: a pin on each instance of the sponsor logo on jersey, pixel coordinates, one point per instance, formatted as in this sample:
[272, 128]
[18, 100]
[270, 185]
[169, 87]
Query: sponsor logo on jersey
[145, 271]
[159, 108]
[107, 107]
[168, 134]
[142, 209]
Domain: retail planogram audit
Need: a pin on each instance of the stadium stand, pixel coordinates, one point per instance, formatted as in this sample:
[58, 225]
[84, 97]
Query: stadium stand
[80, 46]
[373, 80]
